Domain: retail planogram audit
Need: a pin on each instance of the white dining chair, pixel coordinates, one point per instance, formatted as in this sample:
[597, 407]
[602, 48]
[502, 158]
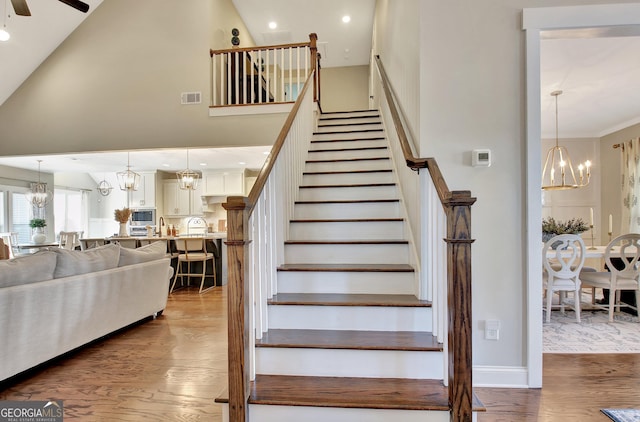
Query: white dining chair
[562, 259]
[622, 275]
[69, 240]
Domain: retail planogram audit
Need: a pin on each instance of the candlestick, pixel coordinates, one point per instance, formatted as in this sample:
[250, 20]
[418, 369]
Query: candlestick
[591, 226]
[610, 233]
[591, 217]
[610, 223]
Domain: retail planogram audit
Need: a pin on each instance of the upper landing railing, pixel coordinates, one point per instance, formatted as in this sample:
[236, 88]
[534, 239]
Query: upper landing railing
[263, 75]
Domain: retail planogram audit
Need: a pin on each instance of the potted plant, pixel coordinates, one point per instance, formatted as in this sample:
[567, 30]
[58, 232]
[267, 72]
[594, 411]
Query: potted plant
[38, 224]
[552, 227]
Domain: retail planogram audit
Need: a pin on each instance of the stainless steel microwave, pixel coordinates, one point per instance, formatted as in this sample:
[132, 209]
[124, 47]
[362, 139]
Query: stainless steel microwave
[143, 217]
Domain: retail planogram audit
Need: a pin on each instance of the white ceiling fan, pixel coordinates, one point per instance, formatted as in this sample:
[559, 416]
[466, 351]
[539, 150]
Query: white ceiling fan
[22, 9]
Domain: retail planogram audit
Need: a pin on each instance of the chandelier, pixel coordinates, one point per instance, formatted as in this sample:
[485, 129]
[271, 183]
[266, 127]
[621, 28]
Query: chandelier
[128, 180]
[187, 179]
[39, 195]
[558, 173]
[104, 187]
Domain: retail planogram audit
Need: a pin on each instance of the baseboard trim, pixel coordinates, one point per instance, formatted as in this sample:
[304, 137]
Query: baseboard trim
[500, 376]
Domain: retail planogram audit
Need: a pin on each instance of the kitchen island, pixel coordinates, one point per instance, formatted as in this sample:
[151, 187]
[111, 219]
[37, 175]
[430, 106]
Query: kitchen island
[214, 243]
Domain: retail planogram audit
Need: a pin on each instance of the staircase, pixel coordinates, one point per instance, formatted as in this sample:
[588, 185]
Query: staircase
[347, 338]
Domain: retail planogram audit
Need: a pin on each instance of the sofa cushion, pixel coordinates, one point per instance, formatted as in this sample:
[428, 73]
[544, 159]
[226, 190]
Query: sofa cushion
[27, 269]
[71, 262]
[150, 252]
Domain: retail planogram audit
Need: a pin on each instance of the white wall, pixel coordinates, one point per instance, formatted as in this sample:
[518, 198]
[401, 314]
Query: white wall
[344, 88]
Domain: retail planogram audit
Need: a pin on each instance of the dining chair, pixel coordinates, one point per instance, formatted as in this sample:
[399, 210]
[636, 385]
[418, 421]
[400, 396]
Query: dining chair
[4, 250]
[624, 275]
[562, 259]
[190, 250]
[69, 240]
[10, 239]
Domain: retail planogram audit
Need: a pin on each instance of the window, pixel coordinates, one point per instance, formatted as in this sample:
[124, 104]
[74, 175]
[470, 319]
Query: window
[15, 212]
[69, 208]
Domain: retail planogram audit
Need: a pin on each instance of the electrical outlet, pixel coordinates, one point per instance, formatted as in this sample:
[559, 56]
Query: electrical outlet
[492, 329]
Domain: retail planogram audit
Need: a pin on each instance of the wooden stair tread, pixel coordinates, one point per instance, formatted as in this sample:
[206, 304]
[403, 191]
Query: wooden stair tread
[348, 171]
[376, 138]
[348, 149]
[348, 160]
[358, 185]
[348, 220]
[335, 132]
[350, 392]
[347, 267]
[348, 242]
[365, 116]
[345, 299]
[350, 339]
[347, 201]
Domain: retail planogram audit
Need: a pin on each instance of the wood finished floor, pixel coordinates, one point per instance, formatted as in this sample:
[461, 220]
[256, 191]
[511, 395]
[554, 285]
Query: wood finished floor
[172, 369]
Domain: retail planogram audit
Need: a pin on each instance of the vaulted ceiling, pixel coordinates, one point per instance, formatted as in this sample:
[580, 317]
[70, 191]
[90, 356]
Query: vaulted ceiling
[598, 70]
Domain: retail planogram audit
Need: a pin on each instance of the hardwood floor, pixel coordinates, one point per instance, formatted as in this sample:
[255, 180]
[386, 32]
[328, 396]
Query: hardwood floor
[172, 369]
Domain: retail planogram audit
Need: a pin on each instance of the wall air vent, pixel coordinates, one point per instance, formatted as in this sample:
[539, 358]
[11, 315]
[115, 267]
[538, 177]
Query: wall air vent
[191, 98]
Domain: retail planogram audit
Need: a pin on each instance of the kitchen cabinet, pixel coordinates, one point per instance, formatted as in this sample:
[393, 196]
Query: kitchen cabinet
[224, 182]
[145, 196]
[179, 202]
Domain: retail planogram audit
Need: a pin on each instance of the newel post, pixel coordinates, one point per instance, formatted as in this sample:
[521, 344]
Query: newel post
[458, 209]
[238, 306]
[313, 47]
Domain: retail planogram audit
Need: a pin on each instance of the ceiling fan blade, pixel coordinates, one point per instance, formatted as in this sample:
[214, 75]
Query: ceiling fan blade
[20, 7]
[76, 4]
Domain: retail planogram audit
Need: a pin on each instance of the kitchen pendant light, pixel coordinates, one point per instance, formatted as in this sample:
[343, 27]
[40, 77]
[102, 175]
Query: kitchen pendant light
[558, 173]
[39, 195]
[187, 179]
[104, 187]
[128, 180]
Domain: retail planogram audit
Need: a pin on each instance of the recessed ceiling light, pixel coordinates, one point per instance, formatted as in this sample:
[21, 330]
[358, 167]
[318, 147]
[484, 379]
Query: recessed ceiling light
[346, 19]
[165, 165]
[242, 163]
[273, 25]
[203, 164]
[266, 153]
[4, 35]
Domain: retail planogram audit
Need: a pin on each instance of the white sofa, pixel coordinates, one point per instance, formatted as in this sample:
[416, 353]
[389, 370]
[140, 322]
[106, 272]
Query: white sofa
[55, 301]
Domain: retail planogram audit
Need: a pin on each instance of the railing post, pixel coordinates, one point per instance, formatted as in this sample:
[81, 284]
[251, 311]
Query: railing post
[458, 210]
[238, 306]
[313, 48]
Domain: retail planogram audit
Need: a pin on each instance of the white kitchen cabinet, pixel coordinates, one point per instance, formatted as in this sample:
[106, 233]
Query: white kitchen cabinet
[145, 196]
[224, 182]
[179, 202]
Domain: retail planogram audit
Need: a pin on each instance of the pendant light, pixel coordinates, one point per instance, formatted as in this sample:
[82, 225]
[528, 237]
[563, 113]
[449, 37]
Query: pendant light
[104, 187]
[558, 173]
[39, 195]
[187, 179]
[128, 180]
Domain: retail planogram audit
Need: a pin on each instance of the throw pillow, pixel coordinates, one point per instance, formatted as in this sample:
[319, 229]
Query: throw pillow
[27, 269]
[150, 252]
[71, 262]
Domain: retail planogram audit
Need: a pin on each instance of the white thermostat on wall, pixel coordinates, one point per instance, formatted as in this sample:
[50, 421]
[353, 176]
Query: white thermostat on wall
[481, 158]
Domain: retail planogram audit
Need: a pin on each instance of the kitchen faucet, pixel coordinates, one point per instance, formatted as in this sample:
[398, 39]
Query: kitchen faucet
[160, 225]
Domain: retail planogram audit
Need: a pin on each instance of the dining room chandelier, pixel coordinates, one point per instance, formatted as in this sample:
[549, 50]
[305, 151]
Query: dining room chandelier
[39, 196]
[128, 180]
[187, 179]
[558, 173]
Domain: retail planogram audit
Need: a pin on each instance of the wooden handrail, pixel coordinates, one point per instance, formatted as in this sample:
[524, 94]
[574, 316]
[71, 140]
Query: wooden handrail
[265, 171]
[261, 48]
[457, 208]
[239, 209]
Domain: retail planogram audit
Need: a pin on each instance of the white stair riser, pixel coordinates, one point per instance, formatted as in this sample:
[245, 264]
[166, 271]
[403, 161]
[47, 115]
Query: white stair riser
[343, 155]
[311, 179]
[390, 230]
[346, 254]
[349, 363]
[336, 144]
[346, 282]
[346, 193]
[330, 211]
[268, 413]
[355, 114]
[346, 128]
[347, 135]
[372, 318]
[349, 165]
[351, 121]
